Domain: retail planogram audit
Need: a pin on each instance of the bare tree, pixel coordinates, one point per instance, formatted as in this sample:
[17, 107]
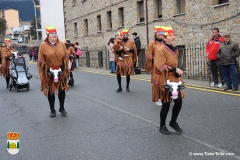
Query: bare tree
[3, 27]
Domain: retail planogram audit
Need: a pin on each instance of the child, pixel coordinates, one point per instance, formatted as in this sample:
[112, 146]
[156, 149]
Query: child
[118, 43]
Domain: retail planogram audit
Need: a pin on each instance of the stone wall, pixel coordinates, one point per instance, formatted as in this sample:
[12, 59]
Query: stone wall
[193, 26]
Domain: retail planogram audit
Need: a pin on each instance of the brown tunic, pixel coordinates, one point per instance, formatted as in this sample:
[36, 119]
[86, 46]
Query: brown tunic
[72, 51]
[164, 60]
[6, 63]
[125, 67]
[52, 56]
[150, 54]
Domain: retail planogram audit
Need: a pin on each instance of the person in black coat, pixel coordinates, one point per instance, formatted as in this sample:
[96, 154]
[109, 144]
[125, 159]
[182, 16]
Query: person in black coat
[137, 43]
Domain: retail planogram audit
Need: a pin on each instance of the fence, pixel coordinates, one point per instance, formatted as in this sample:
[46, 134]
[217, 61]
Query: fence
[192, 59]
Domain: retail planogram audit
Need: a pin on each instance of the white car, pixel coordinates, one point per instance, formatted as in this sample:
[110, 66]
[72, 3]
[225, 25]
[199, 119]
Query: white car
[20, 40]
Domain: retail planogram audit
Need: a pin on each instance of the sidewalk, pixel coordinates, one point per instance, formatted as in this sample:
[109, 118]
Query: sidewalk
[188, 82]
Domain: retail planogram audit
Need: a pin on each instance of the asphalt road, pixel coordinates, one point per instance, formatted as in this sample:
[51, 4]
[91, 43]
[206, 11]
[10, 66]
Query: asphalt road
[104, 125]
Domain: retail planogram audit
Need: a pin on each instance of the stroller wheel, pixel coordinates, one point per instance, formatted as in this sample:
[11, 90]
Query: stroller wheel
[16, 89]
[28, 86]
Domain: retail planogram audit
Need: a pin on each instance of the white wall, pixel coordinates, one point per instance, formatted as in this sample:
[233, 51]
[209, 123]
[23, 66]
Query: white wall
[52, 14]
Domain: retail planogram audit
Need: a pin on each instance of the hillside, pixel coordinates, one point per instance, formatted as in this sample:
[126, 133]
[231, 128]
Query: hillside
[25, 8]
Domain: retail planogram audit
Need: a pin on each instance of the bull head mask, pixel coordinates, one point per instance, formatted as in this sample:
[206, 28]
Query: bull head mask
[174, 88]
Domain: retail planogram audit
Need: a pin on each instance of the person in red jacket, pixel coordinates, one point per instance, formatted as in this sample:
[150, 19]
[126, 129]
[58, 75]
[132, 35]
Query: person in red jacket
[211, 50]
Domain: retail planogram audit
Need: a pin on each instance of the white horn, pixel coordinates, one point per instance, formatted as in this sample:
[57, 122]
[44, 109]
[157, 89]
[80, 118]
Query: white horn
[168, 82]
[180, 82]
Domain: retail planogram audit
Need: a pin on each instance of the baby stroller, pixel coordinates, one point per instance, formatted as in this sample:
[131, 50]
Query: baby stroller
[18, 73]
[70, 77]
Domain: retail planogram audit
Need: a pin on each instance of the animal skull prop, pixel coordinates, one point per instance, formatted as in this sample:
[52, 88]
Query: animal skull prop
[55, 74]
[174, 88]
[15, 54]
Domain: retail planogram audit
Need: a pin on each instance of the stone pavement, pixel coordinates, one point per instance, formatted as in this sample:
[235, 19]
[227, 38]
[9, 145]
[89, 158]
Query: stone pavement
[188, 82]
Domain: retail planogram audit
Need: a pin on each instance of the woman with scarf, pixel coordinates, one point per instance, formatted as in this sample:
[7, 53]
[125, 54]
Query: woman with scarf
[6, 56]
[153, 45]
[53, 58]
[165, 69]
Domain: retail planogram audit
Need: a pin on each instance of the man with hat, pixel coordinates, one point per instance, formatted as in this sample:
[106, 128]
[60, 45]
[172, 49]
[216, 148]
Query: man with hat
[227, 54]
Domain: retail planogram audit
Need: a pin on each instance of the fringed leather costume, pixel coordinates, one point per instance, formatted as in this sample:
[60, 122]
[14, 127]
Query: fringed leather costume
[165, 64]
[55, 57]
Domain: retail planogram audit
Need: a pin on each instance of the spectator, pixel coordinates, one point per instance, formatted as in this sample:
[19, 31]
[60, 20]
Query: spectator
[137, 43]
[211, 50]
[227, 54]
[36, 48]
[111, 55]
[33, 54]
[78, 51]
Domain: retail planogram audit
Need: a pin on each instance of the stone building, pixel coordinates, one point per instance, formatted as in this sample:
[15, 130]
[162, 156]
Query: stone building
[93, 22]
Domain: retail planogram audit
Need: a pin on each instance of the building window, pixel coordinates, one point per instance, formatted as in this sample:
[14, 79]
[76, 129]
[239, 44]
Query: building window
[109, 20]
[99, 23]
[121, 16]
[141, 11]
[85, 27]
[222, 1]
[73, 2]
[180, 6]
[75, 30]
[159, 8]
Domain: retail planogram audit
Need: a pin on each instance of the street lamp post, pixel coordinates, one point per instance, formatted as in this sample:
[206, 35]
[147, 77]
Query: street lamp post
[36, 20]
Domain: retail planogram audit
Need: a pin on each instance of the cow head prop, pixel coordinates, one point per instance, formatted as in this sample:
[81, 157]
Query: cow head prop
[55, 74]
[14, 54]
[174, 88]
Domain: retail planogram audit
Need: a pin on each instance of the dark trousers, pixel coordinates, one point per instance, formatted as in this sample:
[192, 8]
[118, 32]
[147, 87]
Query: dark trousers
[215, 69]
[7, 80]
[175, 111]
[119, 79]
[61, 98]
[228, 72]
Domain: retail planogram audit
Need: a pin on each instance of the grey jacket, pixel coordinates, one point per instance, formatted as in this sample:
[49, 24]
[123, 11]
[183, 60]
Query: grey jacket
[228, 52]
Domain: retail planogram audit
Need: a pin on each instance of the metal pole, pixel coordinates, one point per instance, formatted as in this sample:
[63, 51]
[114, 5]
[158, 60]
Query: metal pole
[147, 22]
[36, 20]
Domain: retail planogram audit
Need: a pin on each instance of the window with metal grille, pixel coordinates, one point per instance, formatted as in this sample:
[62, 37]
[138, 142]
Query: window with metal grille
[159, 8]
[75, 30]
[99, 23]
[121, 16]
[109, 19]
[141, 11]
[222, 1]
[180, 6]
[85, 26]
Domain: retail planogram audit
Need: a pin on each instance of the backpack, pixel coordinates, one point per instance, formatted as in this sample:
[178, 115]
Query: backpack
[79, 52]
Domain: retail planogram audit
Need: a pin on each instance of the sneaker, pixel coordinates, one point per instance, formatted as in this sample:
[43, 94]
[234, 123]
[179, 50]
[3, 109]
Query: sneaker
[120, 58]
[227, 88]
[62, 111]
[126, 55]
[127, 89]
[164, 130]
[175, 126]
[220, 85]
[214, 85]
[159, 103]
[53, 113]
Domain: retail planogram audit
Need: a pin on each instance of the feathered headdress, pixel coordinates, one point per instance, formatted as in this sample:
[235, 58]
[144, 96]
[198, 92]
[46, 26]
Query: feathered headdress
[7, 40]
[50, 29]
[157, 29]
[125, 30]
[165, 30]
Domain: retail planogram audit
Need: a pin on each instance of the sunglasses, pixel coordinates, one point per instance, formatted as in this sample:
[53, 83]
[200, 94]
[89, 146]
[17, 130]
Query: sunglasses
[52, 34]
[226, 36]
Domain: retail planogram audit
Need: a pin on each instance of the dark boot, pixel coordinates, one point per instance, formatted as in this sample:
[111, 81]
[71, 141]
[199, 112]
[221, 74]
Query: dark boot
[164, 130]
[127, 89]
[53, 113]
[175, 126]
[62, 111]
[119, 90]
